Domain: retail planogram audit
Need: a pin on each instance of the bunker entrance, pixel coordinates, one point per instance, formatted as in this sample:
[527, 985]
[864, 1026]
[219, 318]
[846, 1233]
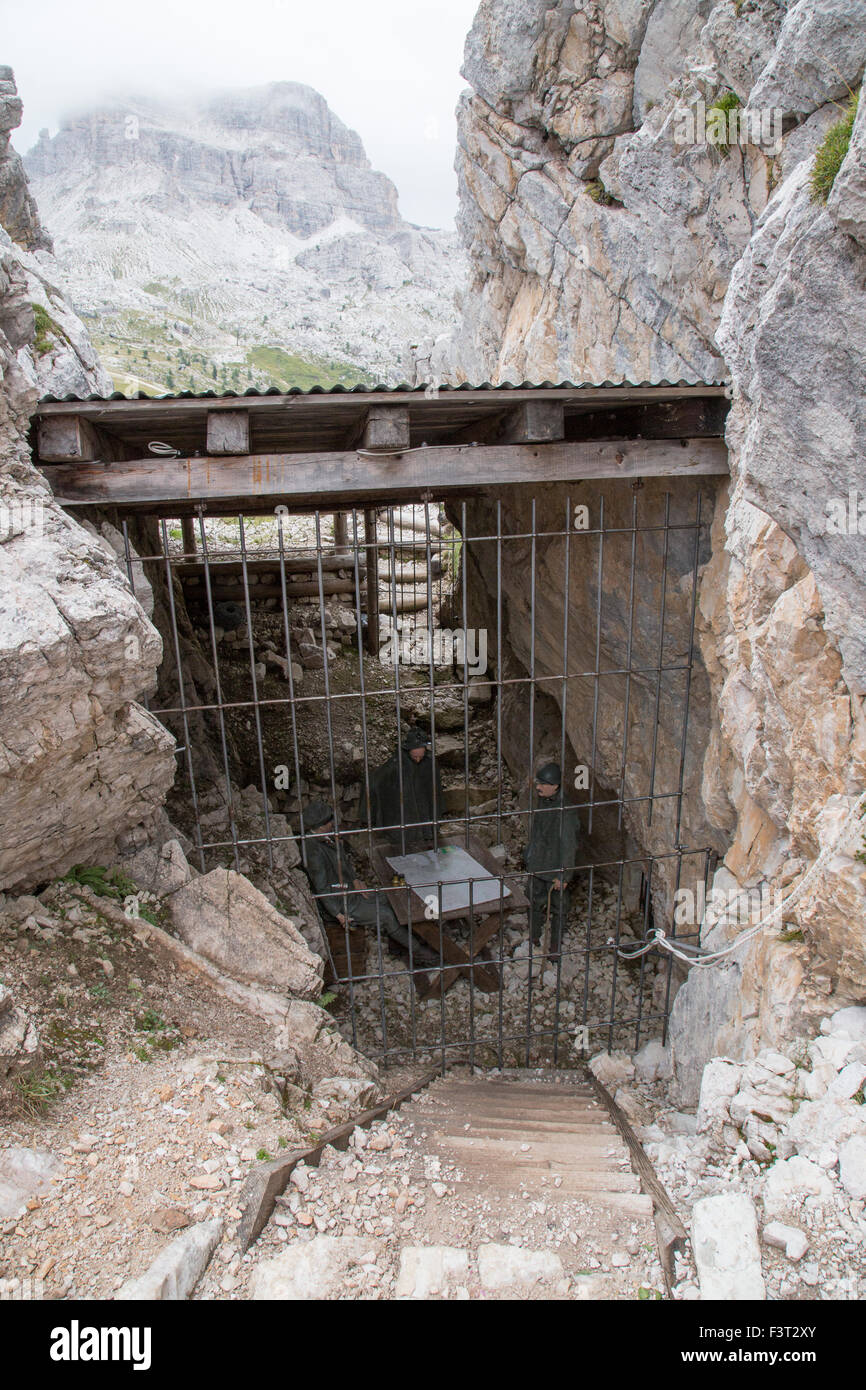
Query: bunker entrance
[409, 673]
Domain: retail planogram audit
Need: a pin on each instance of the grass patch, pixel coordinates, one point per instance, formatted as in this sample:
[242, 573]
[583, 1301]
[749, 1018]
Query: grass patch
[105, 883]
[718, 125]
[150, 1022]
[35, 1091]
[263, 1156]
[286, 369]
[791, 934]
[832, 151]
[48, 331]
[599, 194]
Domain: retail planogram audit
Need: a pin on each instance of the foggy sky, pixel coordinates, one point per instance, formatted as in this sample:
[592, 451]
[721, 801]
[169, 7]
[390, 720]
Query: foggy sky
[390, 69]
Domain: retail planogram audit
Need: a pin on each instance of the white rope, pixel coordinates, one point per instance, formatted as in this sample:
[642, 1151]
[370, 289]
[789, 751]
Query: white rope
[694, 956]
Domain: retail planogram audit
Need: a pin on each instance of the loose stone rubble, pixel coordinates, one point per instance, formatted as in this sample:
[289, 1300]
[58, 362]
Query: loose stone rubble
[782, 1137]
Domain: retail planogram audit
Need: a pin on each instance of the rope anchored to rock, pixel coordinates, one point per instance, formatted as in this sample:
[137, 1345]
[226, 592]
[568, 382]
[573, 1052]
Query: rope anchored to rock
[694, 955]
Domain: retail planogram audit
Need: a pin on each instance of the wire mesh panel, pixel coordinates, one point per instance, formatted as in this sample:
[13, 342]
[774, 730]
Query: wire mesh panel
[460, 748]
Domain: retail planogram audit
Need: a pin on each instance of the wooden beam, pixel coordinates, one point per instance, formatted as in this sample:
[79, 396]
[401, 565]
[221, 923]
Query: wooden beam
[228, 432]
[534, 422]
[229, 589]
[670, 1231]
[294, 564]
[530, 422]
[317, 479]
[690, 419]
[64, 438]
[386, 429]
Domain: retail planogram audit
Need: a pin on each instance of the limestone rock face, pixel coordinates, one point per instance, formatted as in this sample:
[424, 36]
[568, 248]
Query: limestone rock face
[819, 44]
[80, 761]
[19, 1036]
[223, 917]
[616, 242]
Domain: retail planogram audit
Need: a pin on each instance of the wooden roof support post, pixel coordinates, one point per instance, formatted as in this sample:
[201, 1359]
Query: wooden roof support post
[187, 526]
[228, 432]
[341, 531]
[67, 439]
[386, 429]
[533, 422]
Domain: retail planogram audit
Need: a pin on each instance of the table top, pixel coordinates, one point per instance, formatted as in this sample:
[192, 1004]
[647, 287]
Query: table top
[453, 864]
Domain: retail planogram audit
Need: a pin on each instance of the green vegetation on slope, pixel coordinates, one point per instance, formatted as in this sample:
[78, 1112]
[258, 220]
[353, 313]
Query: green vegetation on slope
[48, 331]
[832, 151]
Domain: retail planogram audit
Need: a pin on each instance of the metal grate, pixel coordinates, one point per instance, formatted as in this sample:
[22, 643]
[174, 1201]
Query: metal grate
[497, 1003]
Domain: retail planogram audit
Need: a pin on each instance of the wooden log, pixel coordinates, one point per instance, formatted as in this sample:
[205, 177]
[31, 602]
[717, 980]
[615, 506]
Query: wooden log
[230, 590]
[403, 574]
[408, 600]
[530, 422]
[293, 565]
[266, 1183]
[228, 432]
[187, 529]
[260, 479]
[341, 531]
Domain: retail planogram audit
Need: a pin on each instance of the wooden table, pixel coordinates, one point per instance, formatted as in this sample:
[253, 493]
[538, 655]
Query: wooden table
[409, 909]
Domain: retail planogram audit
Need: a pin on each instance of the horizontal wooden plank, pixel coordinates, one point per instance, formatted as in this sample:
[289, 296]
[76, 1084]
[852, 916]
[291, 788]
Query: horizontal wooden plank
[262, 481]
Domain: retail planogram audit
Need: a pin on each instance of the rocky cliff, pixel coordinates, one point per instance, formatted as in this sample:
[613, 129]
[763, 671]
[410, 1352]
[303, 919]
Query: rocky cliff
[241, 240]
[81, 762]
[637, 202]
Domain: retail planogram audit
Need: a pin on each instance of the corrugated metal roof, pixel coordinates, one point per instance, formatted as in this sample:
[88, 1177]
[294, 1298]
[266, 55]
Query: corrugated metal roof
[403, 389]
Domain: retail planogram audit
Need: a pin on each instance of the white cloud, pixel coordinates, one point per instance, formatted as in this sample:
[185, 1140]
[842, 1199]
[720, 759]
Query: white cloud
[388, 68]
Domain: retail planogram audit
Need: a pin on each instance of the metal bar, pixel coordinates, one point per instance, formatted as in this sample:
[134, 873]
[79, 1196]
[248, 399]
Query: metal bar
[366, 786]
[372, 562]
[566, 614]
[396, 646]
[233, 829]
[662, 606]
[257, 711]
[629, 649]
[465, 625]
[684, 742]
[533, 544]
[431, 671]
[182, 694]
[597, 673]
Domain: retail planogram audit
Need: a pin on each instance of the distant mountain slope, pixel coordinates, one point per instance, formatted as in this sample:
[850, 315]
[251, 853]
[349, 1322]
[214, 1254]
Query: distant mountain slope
[243, 240]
